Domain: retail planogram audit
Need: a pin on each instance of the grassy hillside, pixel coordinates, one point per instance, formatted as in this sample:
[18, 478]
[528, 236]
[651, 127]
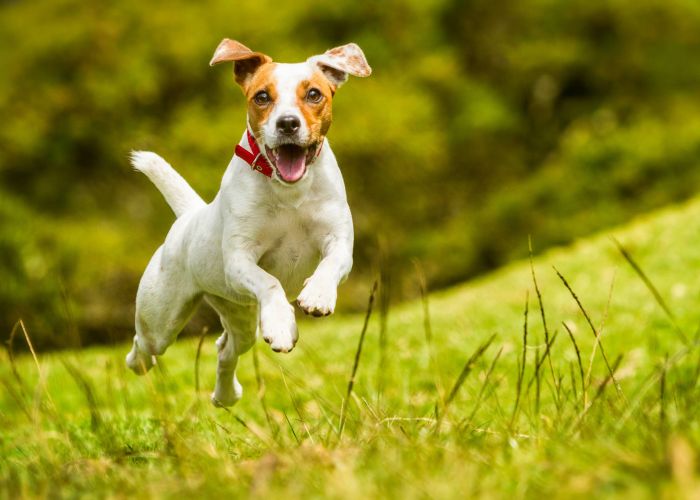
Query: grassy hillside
[436, 411]
[483, 122]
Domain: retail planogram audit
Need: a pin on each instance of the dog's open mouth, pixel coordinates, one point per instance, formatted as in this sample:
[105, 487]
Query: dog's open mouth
[291, 160]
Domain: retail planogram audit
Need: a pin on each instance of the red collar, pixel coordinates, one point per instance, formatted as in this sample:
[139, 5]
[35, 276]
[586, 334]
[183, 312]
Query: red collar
[254, 157]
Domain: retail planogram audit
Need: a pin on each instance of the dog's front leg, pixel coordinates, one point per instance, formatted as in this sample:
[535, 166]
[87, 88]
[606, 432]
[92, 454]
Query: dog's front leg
[277, 323]
[320, 290]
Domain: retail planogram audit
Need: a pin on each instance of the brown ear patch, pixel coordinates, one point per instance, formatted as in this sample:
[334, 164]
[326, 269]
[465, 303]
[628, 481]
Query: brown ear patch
[245, 61]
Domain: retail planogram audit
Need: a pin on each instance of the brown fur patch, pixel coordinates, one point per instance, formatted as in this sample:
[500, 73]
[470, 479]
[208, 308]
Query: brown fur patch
[337, 51]
[318, 116]
[261, 80]
[245, 61]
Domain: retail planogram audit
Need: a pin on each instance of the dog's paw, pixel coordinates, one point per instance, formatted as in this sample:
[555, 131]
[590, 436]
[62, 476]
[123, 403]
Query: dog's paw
[139, 362]
[317, 298]
[278, 325]
[228, 396]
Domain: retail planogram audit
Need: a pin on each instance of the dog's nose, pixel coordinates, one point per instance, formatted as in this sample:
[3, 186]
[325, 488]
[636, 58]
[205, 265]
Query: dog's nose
[288, 125]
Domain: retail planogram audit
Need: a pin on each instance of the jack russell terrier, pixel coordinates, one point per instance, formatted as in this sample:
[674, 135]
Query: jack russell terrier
[279, 228]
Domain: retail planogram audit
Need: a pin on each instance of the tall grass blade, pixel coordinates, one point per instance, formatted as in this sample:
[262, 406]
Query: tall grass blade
[261, 391]
[521, 371]
[541, 307]
[9, 345]
[482, 389]
[652, 289]
[580, 363]
[541, 360]
[356, 363]
[466, 370]
[428, 331]
[384, 306]
[599, 342]
[295, 404]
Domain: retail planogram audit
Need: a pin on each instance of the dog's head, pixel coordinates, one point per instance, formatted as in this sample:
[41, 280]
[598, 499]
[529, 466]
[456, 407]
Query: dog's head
[290, 105]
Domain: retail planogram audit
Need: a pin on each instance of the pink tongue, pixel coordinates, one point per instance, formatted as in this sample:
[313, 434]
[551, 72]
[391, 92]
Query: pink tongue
[291, 162]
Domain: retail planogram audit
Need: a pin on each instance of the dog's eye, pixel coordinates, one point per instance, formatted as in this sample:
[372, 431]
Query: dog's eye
[314, 95]
[262, 98]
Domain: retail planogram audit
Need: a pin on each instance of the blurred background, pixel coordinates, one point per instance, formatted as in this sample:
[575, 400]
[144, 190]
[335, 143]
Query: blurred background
[483, 122]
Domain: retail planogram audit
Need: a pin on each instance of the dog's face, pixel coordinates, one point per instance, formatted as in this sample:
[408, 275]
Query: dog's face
[290, 105]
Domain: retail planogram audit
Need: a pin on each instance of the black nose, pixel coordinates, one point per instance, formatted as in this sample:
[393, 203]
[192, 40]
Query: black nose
[288, 125]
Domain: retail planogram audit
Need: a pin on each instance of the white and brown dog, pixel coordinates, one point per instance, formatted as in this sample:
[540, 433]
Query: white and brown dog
[279, 228]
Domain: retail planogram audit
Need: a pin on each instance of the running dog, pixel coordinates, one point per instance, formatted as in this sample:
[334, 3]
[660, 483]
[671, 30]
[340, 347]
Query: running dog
[279, 228]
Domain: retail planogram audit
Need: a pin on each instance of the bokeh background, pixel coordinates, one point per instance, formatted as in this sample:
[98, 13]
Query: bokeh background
[483, 122]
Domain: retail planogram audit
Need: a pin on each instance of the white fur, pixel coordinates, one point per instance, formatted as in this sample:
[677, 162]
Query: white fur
[257, 245]
[179, 195]
[287, 77]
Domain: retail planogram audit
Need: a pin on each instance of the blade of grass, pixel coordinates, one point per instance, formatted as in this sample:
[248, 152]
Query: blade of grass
[9, 345]
[599, 342]
[651, 382]
[291, 428]
[295, 404]
[261, 391]
[537, 385]
[584, 393]
[85, 386]
[581, 416]
[42, 380]
[428, 330]
[356, 363]
[652, 289]
[662, 397]
[540, 361]
[384, 306]
[466, 370]
[541, 307]
[479, 396]
[521, 371]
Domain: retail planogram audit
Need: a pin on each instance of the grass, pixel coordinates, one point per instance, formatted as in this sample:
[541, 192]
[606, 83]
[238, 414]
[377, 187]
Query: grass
[575, 374]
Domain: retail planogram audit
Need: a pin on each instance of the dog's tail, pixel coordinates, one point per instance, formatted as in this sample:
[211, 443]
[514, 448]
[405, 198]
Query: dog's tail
[179, 195]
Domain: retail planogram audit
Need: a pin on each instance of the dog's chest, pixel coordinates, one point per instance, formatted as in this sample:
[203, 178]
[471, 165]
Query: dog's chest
[290, 248]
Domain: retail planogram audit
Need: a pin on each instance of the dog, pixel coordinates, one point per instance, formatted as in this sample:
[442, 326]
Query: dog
[279, 228]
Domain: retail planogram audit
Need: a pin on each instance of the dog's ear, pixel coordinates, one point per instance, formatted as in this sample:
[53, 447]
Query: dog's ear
[245, 61]
[336, 64]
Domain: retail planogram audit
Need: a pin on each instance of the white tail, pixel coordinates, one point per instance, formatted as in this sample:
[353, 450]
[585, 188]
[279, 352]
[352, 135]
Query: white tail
[179, 195]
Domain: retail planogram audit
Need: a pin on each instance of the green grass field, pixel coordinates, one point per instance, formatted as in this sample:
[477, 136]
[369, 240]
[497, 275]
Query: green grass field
[436, 410]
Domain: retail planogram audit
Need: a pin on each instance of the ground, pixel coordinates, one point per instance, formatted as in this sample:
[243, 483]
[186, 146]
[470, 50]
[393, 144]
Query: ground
[440, 407]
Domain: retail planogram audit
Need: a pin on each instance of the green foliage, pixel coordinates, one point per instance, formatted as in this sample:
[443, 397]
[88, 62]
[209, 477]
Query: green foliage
[483, 123]
[80, 424]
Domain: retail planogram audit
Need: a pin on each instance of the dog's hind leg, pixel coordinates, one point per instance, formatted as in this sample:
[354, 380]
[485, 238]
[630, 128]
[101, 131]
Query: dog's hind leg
[228, 390]
[165, 301]
[239, 335]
